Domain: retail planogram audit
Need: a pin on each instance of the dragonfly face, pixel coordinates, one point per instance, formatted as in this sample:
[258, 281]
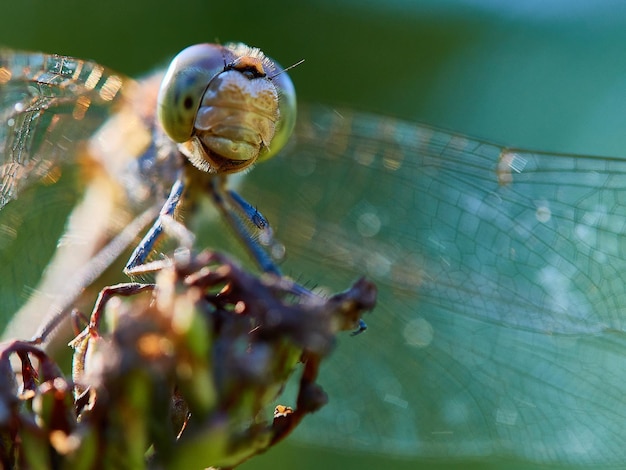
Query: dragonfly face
[500, 330]
[226, 106]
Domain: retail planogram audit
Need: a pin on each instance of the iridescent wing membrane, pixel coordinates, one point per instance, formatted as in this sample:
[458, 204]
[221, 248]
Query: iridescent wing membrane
[48, 104]
[500, 326]
[49, 107]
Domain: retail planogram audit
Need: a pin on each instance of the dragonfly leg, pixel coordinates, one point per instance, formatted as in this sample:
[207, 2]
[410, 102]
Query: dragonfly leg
[239, 214]
[249, 210]
[141, 253]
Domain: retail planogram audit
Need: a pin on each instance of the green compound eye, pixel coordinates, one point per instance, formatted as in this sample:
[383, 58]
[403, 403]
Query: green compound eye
[198, 70]
[183, 86]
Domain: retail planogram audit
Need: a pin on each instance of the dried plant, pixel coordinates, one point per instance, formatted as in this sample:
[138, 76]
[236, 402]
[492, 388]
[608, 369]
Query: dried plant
[183, 373]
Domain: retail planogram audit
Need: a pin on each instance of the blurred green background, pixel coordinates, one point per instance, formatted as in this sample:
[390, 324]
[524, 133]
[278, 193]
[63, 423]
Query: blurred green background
[538, 74]
[548, 75]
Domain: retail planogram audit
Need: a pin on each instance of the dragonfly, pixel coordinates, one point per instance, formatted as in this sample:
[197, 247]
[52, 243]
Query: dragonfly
[500, 326]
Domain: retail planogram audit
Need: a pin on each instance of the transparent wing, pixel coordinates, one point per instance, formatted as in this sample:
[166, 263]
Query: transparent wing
[500, 325]
[48, 105]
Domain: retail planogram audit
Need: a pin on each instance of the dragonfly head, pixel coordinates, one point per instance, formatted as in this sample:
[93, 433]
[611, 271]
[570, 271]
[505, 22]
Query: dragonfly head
[226, 106]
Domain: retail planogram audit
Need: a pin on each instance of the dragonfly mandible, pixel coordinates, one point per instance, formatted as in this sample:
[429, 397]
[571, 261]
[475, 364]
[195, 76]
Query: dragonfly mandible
[500, 329]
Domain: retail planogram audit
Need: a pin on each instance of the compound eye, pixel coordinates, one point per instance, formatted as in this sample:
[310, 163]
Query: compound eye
[184, 85]
[287, 110]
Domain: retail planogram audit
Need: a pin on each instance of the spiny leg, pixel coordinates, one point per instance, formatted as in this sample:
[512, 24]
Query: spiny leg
[243, 211]
[141, 253]
[240, 214]
[232, 207]
[248, 210]
[237, 215]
